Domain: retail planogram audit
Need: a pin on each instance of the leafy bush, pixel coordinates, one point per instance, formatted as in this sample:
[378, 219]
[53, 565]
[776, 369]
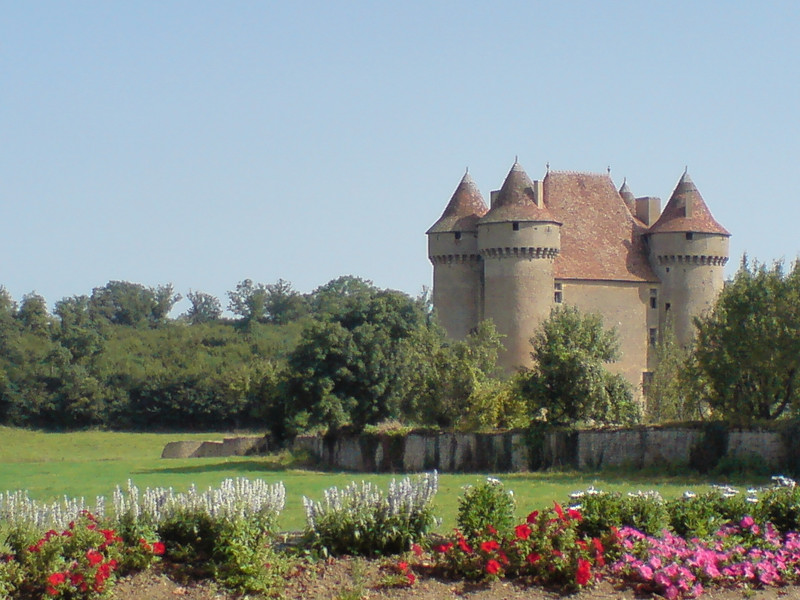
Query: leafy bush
[700, 515]
[362, 520]
[484, 506]
[779, 505]
[645, 511]
[547, 548]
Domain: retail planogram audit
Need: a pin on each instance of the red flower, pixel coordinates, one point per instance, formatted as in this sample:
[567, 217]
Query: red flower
[158, 548]
[411, 578]
[584, 572]
[523, 532]
[559, 511]
[403, 566]
[558, 553]
[492, 567]
[110, 535]
[443, 548]
[532, 517]
[94, 557]
[464, 546]
[598, 545]
[575, 514]
[533, 558]
[76, 579]
[492, 530]
[489, 546]
[416, 549]
[57, 578]
[503, 557]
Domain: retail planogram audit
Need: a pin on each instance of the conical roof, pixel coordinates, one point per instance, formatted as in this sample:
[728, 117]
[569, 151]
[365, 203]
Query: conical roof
[687, 212]
[628, 197]
[464, 209]
[516, 201]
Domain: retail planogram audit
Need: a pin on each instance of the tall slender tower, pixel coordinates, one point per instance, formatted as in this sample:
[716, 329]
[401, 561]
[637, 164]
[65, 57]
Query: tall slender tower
[688, 252]
[518, 239]
[457, 266]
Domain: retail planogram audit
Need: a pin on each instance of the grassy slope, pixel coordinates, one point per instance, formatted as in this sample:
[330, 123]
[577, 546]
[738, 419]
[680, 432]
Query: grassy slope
[92, 463]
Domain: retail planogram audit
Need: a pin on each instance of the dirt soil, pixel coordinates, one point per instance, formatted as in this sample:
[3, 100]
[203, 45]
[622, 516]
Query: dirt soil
[356, 579]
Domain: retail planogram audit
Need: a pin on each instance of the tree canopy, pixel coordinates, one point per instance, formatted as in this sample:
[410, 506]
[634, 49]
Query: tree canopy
[569, 382]
[746, 354]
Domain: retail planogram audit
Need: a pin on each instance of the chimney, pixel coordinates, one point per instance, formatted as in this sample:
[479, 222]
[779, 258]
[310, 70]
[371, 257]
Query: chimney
[648, 209]
[538, 194]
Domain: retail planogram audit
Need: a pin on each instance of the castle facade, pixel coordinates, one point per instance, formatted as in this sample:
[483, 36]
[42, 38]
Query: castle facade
[573, 238]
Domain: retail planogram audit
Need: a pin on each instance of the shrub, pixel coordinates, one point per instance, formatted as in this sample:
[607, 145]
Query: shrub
[700, 515]
[779, 504]
[362, 520]
[484, 506]
[546, 548]
[645, 511]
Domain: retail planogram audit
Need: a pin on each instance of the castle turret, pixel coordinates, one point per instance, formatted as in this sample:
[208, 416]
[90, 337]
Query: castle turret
[457, 268]
[628, 197]
[518, 239]
[688, 251]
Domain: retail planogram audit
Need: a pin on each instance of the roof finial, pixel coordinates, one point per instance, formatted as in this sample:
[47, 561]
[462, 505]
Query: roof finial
[548, 166]
[685, 169]
[516, 159]
[624, 180]
[608, 169]
[467, 171]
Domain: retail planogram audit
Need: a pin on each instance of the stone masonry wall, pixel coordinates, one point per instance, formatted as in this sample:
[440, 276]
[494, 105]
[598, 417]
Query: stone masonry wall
[507, 452]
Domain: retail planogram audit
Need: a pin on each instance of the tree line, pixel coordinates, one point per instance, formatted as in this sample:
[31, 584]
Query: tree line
[350, 355]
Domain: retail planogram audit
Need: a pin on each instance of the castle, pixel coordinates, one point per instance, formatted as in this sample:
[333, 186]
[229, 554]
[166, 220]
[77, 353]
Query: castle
[573, 238]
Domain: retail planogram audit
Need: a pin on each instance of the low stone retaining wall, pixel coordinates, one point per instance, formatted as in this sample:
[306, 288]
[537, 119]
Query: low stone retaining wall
[236, 446]
[514, 451]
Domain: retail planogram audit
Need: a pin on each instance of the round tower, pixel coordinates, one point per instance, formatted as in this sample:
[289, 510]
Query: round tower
[518, 239]
[688, 252]
[457, 265]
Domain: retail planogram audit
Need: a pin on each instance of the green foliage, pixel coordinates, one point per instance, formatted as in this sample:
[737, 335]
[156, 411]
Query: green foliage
[363, 520]
[276, 303]
[485, 505]
[205, 308]
[547, 549]
[347, 368]
[746, 357]
[669, 396]
[700, 515]
[569, 382]
[779, 505]
[453, 385]
[645, 511]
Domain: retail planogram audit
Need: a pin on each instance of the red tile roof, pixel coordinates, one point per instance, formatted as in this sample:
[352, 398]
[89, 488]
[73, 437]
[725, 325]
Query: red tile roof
[674, 218]
[516, 201]
[464, 209]
[600, 239]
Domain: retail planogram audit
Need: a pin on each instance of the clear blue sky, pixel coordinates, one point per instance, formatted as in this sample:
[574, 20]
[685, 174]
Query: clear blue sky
[202, 143]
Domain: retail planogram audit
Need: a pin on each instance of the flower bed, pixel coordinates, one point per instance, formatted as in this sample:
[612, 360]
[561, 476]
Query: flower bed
[676, 548]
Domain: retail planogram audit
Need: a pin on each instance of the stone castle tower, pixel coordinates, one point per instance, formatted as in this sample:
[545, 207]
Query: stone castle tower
[573, 238]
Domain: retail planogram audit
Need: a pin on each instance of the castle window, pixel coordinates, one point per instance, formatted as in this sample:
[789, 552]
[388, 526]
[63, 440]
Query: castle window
[653, 298]
[690, 236]
[558, 294]
[653, 336]
[458, 235]
[667, 306]
[515, 225]
[667, 269]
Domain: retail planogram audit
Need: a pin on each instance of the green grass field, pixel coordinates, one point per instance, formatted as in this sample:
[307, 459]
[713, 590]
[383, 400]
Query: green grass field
[92, 463]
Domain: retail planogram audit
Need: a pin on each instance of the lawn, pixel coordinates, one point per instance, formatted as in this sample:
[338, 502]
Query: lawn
[92, 463]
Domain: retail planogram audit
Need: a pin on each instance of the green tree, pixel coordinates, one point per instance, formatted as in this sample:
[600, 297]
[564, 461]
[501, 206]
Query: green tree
[569, 382]
[132, 304]
[746, 355]
[668, 395]
[346, 369]
[205, 308]
[32, 314]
